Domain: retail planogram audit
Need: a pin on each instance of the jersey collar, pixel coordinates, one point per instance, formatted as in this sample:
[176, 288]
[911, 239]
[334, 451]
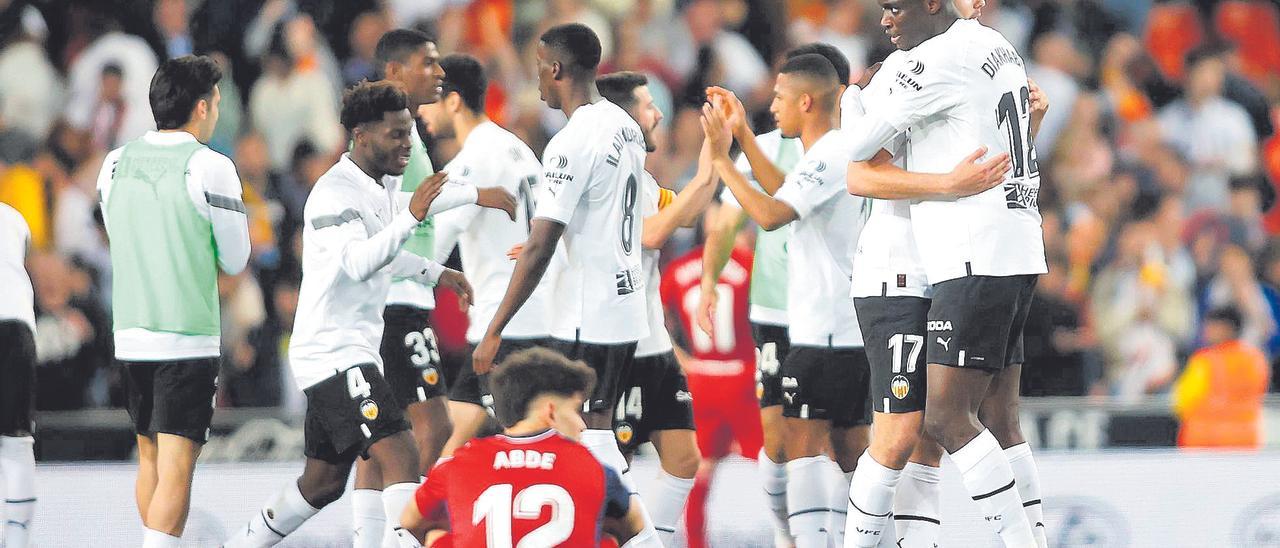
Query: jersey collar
[531, 438]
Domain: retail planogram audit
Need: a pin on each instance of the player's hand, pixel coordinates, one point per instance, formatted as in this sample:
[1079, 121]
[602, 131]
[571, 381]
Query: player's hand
[731, 108]
[1039, 101]
[496, 197]
[515, 251]
[971, 177]
[486, 351]
[717, 132]
[1039, 105]
[454, 281]
[426, 193]
[867, 75]
[706, 310]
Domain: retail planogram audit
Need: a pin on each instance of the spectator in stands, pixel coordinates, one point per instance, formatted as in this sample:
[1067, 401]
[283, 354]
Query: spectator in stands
[137, 64]
[1236, 285]
[1218, 397]
[293, 101]
[73, 334]
[1055, 339]
[1139, 316]
[365, 32]
[173, 21]
[31, 90]
[109, 110]
[1214, 133]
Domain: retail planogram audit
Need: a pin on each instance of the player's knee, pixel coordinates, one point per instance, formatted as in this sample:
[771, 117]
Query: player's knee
[936, 425]
[684, 465]
[320, 492]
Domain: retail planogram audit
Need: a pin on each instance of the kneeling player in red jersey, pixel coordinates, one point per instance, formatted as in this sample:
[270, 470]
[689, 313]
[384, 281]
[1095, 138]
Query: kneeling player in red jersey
[534, 484]
[720, 367]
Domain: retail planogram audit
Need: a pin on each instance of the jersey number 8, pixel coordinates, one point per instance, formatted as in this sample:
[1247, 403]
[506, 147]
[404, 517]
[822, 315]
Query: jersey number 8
[628, 214]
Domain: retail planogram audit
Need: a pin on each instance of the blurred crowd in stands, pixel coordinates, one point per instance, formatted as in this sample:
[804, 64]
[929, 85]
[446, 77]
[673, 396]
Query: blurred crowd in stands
[1158, 156]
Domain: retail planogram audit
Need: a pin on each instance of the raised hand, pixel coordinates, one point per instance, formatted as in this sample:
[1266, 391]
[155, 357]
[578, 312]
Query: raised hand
[717, 131]
[426, 193]
[731, 109]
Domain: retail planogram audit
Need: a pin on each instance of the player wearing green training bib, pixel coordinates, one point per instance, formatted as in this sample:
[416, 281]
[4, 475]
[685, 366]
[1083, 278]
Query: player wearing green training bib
[174, 217]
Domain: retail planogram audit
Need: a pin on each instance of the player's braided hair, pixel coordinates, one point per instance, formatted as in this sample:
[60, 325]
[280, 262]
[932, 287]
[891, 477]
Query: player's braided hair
[368, 101]
[529, 374]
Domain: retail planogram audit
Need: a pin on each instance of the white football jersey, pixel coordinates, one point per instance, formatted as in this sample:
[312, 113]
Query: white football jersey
[351, 248]
[887, 263]
[592, 171]
[15, 238]
[821, 249]
[957, 91]
[659, 340]
[493, 156]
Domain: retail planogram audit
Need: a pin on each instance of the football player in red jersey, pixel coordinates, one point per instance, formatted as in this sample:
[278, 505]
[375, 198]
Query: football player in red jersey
[720, 368]
[534, 484]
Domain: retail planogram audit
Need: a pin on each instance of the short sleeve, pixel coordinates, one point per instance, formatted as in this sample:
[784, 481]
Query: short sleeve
[926, 83]
[617, 499]
[818, 178]
[566, 169]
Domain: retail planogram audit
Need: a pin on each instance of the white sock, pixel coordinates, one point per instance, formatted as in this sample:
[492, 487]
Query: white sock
[917, 507]
[838, 503]
[871, 500]
[647, 538]
[989, 480]
[1027, 475]
[156, 539]
[807, 500]
[602, 444]
[667, 505]
[395, 498]
[18, 469]
[773, 478]
[368, 519]
[283, 514]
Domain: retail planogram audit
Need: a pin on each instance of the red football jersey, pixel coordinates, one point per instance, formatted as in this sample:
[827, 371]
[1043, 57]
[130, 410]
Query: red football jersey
[729, 351]
[536, 491]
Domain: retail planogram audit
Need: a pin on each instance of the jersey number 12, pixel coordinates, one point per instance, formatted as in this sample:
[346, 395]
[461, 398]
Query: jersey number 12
[1009, 115]
[497, 507]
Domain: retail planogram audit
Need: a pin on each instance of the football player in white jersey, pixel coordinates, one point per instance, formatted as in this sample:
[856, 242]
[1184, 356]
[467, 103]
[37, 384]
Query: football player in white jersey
[17, 381]
[490, 155]
[961, 86]
[776, 156]
[590, 195]
[410, 359]
[827, 363]
[656, 404]
[352, 246]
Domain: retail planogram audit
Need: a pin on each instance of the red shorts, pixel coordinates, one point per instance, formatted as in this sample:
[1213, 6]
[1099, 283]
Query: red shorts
[725, 410]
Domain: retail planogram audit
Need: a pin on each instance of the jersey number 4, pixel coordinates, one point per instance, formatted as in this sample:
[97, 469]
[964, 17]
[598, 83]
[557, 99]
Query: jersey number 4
[1009, 114]
[497, 507]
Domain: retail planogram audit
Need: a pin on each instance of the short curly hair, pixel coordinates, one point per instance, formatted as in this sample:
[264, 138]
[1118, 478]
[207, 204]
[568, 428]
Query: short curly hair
[526, 375]
[369, 101]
